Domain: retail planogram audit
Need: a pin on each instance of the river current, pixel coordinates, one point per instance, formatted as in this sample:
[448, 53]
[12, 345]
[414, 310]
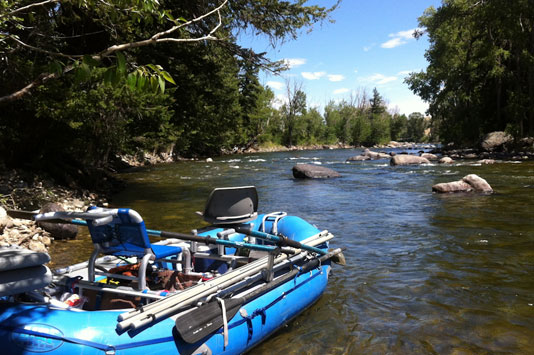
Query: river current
[425, 273]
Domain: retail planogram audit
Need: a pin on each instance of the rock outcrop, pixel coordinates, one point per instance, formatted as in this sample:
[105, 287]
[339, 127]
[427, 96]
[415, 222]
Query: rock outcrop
[312, 171]
[468, 183]
[406, 159]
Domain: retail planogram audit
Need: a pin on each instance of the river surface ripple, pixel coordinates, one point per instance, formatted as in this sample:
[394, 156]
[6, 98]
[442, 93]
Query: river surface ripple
[425, 273]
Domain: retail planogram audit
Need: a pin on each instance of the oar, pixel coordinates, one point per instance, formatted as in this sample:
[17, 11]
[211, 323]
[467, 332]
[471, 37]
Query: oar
[208, 318]
[163, 234]
[339, 258]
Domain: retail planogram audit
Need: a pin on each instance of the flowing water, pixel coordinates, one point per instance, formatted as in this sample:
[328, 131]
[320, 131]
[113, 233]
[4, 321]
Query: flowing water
[426, 273]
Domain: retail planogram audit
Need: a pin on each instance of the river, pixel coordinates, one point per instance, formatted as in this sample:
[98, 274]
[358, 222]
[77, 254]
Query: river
[426, 273]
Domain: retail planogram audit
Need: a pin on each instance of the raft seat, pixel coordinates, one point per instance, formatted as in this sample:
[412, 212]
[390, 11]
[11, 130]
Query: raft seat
[126, 236]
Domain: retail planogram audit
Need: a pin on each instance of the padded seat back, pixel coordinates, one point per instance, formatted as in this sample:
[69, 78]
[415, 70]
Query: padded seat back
[125, 235]
[231, 205]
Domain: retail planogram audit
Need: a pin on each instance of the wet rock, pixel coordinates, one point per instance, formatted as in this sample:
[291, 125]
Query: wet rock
[495, 141]
[468, 183]
[368, 155]
[446, 160]
[478, 183]
[470, 156]
[455, 186]
[486, 161]
[312, 171]
[375, 155]
[359, 158]
[429, 156]
[406, 159]
[57, 230]
[209, 160]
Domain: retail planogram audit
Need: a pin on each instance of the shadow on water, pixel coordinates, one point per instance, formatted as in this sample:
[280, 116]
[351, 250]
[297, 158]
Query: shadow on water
[425, 273]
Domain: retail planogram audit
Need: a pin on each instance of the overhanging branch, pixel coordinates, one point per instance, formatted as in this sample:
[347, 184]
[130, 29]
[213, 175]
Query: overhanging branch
[160, 37]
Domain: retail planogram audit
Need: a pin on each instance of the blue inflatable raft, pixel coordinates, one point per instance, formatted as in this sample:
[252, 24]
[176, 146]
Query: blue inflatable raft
[220, 290]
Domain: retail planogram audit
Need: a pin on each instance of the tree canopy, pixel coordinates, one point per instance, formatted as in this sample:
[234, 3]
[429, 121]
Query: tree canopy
[480, 76]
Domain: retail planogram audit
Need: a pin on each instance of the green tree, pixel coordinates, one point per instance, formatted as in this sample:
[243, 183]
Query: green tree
[480, 75]
[293, 110]
[361, 130]
[398, 127]
[377, 103]
[415, 129]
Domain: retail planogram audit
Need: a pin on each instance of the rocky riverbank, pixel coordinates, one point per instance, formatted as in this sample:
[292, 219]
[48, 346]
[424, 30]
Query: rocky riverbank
[21, 190]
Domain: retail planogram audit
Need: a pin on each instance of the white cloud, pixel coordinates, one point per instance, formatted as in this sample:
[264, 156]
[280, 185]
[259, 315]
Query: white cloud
[408, 34]
[379, 79]
[392, 43]
[314, 75]
[336, 77]
[277, 85]
[399, 38]
[341, 91]
[294, 62]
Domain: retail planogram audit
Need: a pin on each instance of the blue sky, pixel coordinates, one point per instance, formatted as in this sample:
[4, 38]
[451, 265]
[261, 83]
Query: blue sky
[369, 45]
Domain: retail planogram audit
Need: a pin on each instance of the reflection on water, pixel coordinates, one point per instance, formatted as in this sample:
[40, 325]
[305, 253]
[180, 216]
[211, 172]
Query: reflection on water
[426, 273]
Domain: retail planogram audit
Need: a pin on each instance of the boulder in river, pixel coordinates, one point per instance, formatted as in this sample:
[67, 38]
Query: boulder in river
[368, 155]
[429, 156]
[407, 159]
[375, 155]
[495, 141]
[57, 230]
[468, 183]
[359, 158]
[312, 171]
[446, 160]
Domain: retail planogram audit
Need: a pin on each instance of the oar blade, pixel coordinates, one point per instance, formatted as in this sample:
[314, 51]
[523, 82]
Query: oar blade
[339, 259]
[206, 319]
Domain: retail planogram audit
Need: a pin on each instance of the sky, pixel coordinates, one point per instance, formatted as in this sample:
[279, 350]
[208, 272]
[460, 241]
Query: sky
[369, 45]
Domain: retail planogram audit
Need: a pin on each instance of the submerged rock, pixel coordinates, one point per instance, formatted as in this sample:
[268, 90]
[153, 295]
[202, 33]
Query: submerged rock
[407, 159]
[57, 230]
[468, 183]
[312, 171]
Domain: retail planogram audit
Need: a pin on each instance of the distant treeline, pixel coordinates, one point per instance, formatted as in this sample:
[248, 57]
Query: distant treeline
[85, 80]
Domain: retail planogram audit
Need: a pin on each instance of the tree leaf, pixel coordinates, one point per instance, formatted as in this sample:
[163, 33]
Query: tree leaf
[121, 63]
[167, 77]
[161, 84]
